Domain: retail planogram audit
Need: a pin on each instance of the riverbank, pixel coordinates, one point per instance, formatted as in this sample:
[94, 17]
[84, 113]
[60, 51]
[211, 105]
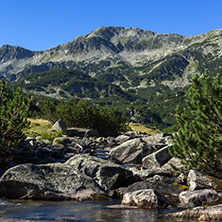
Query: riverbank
[133, 167]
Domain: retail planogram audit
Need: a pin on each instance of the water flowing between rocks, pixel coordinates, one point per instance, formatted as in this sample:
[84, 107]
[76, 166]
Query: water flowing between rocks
[87, 211]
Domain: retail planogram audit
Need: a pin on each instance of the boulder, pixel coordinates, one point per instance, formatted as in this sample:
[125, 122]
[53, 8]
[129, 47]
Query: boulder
[190, 199]
[132, 151]
[62, 140]
[121, 139]
[133, 134]
[81, 132]
[159, 138]
[164, 188]
[146, 173]
[156, 159]
[176, 162]
[107, 174]
[147, 198]
[42, 181]
[81, 177]
[210, 213]
[60, 125]
[198, 180]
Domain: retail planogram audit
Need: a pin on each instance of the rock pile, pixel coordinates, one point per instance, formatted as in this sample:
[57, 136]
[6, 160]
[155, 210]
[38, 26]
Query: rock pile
[134, 167]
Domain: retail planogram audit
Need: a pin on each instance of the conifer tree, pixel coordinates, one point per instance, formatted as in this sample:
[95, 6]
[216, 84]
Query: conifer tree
[12, 120]
[198, 142]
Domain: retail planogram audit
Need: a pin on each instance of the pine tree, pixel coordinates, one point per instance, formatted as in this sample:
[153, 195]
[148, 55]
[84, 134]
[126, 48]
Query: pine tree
[198, 142]
[13, 107]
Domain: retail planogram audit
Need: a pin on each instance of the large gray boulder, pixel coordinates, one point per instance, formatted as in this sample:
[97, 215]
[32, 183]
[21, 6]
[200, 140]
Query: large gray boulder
[107, 174]
[81, 177]
[132, 151]
[157, 159]
[198, 180]
[43, 181]
[148, 198]
[190, 199]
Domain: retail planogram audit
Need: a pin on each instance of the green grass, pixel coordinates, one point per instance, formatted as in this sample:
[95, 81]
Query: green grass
[41, 127]
[141, 128]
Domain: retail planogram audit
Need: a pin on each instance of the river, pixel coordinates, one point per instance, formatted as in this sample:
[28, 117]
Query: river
[86, 211]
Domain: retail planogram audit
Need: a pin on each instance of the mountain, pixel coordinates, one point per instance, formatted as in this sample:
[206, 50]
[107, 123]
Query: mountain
[148, 73]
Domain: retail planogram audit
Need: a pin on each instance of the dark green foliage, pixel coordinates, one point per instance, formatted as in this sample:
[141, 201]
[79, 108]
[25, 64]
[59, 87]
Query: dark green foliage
[13, 107]
[154, 105]
[199, 140]
[49, 110]
[107, 120]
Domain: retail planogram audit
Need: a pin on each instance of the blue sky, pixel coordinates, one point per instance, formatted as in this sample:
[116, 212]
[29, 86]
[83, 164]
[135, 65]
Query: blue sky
[42, 24]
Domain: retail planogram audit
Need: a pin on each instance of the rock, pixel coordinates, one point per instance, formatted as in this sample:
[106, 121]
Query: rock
[81, 177]
[145, 173]
[166, 189]
[176, 162]
[60, 125]
[147, 198]
[107, 174]
[189, 199]
[181, 179]
[61, 180]
[157, 159]
[27, 144]
[62, 140]
[159, 138]
[50, 153]
[198, 180]
[133, 134]
[201, 213]
[26, 155]
[91, 133]
[121, 139]
[132, 151]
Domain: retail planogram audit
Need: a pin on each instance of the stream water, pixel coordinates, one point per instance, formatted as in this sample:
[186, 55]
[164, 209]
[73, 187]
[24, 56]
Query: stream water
[42, 211]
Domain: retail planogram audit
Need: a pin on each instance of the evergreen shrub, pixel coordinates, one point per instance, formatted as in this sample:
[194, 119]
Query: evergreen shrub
[107, 120]
[13, 108]
[198, 142]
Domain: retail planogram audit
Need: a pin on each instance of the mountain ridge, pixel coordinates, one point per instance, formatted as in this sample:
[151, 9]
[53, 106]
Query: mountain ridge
[147, 72]
[104, 41]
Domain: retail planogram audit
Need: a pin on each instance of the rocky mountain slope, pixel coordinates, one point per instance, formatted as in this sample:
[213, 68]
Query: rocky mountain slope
[146, 67]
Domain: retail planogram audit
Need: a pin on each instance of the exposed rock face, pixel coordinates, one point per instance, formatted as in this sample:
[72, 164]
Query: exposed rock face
[147, 198]
[198, 180]
[157, 159]
[189, 199]
[81, 177]
[131, 47]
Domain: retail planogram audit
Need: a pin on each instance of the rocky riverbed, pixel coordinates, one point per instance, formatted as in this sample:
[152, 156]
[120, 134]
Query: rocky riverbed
[133, 167]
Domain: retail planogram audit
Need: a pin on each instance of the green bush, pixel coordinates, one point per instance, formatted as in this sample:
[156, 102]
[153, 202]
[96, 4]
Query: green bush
[13, 107]
[198, 142]
[107, 120]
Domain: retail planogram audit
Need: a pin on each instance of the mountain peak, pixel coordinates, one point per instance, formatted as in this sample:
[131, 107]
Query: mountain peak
[8, 52]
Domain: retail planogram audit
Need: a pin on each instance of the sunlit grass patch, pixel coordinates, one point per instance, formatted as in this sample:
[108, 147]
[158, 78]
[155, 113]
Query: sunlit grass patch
[141, 128]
